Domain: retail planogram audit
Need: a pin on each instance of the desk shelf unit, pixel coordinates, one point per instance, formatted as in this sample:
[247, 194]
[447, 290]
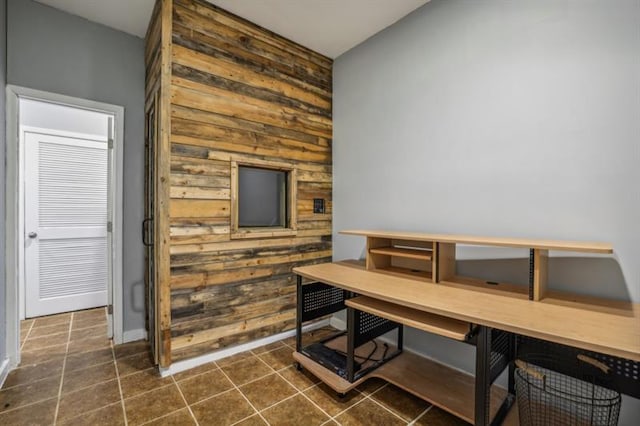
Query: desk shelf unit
[398, 256]
[410, 279]
[432, 257]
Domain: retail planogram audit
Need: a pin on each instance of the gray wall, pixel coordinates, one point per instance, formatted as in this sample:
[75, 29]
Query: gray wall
[3, 82]
[505, 118]
[57, 52]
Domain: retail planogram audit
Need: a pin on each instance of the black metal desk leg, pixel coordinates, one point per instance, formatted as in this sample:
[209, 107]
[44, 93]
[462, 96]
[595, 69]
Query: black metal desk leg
[351, 343]
[483, 376]
[299, 314]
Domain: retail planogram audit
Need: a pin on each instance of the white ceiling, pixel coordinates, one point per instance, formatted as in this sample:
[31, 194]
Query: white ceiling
[130, 16]
[330, 27]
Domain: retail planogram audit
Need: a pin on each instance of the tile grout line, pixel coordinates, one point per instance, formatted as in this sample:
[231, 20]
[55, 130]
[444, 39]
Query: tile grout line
[364, 397]
[421, 415]
[115, 363]
[193, 416]
[291, 384]
[93, 410]
[27, 336]
[161, 417]
[64, 364]
[247, 399]
[189, 377]
[148, 391]
[388, 409]
[27, 405]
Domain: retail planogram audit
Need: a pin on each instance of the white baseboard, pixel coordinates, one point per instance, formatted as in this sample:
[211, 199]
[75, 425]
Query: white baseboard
[133, 335]
[179, 366]
[337, 323]
[4, 371]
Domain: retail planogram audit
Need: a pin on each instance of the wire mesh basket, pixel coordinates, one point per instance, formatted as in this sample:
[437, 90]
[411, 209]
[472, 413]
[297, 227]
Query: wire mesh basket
[547, 397]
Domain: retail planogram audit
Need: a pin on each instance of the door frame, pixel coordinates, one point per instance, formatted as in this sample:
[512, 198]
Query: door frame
[14, 236]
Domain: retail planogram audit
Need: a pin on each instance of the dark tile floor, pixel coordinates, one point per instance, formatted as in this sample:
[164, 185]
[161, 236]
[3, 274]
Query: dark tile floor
[71, 374]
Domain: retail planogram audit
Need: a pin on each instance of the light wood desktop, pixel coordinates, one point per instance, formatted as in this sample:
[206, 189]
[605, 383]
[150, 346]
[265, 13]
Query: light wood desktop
[410, 278]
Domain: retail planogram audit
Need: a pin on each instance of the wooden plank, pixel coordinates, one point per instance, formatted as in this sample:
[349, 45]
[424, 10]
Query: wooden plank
[577, 246]
[317, 120]
[249, 261]
[312, 173]
[444, 387]
[192, 96]
[180, 228]
[152, 36]
[253, 252]
[444, 262]
[212, 118]
[219, 315]
[230, 329]
[221, 47]
[416, 274]
[241, 245]
[403, 252]
[540, 274]
[237, 293]
[199, 166]
[185, 71]
[200, 180]
[436, 324]
[232, 340]
[574, 325]
[271, 152]
[163, 191]
[238, 136]
[250, 33]
[204, 279]
[377, 261]
[199, 208]
[195, 192]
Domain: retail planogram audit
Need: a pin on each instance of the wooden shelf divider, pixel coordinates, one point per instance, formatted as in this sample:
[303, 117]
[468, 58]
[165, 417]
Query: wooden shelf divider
[403, 252]
[436, 324]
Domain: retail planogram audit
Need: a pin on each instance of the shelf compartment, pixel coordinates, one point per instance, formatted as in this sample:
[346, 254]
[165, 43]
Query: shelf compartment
[432, 323]
[404, 252]
[442, 386]
[406, 273]
[401, 257]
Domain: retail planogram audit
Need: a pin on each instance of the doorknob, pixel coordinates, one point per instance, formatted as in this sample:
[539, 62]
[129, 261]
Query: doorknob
[33, 234]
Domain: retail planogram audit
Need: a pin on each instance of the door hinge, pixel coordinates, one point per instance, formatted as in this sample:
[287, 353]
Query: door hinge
[110, 143]
[109, 226]
[110, 309]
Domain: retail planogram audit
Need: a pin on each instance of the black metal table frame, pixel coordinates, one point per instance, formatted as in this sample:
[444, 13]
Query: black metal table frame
[495, 349]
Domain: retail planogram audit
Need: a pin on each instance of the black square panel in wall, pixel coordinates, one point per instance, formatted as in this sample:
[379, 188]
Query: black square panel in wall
[318, 205]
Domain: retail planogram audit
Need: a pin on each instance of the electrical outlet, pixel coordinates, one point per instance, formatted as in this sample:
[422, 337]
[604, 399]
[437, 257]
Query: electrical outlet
[318, 205]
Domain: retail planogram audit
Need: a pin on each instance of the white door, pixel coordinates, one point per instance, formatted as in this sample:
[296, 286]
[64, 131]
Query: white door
[66, 213]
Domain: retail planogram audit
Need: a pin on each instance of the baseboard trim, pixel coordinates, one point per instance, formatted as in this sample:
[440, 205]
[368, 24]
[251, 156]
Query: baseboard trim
[133, 335]
[337, 323]
[4, 371]
[187, 364]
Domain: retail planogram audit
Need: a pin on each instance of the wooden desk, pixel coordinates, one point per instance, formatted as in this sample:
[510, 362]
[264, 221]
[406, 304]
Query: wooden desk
[612, 329]
[447, 308]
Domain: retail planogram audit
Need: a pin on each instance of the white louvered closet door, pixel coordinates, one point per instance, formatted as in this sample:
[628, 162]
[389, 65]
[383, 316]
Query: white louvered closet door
[66, 210]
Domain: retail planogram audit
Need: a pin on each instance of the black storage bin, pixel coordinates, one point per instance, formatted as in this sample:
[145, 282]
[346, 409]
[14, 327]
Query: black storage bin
[547, 397]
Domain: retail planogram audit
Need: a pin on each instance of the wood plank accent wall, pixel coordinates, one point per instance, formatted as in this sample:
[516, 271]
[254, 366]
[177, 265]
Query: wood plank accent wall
[240, 93]
[158, 63]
